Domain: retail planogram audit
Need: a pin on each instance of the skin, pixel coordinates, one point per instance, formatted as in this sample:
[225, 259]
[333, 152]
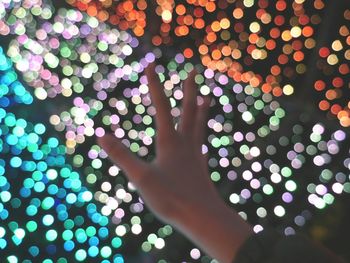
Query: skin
[176, 185]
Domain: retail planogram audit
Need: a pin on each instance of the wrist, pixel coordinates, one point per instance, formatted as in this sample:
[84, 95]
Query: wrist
[214, 227]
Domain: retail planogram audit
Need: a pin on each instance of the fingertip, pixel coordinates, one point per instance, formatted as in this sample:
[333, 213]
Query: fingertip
[105, 140]
[193, 72]
[150, 69]
[149, 66]
[191, 75]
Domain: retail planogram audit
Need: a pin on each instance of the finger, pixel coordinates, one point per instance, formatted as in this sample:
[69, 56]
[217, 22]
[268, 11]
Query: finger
[201, 121]
[163, 117]
[122, 156]
[189, 104]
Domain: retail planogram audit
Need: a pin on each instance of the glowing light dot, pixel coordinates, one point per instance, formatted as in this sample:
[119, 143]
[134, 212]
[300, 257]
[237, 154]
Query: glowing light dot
[136, 229]
[120, 230]
[159, 243]
[248, 3]
[20, 233]
[85, 57]
[166, 16]
[295, 31]
[290, 185]
[337, 188]
[195, 253]
[247, 116]
[80, 255]
[234, 198]
[279, 211]
[51, 235]
[254, 27]
[288, 90]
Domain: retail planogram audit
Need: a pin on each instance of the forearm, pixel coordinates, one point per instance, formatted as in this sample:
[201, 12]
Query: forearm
[215, 228]
[270, 246]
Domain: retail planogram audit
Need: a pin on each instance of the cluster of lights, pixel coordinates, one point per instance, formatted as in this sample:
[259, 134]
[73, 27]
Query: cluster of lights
[228, 40]
[334, 68]
[43, 200]
[128, 14]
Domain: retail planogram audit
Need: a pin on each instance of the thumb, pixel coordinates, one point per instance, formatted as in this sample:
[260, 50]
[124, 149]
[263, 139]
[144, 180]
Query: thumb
[122, 156]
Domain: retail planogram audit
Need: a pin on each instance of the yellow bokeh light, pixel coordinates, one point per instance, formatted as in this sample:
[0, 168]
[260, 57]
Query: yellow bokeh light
[263, 54]
[295, 31]
[332, 59]
[248, 3]
[215, 26]
[225, 23]
[337, 45]
[286, 35]
[254, 27]
[166, 16]
[288, 89]
[256, 54]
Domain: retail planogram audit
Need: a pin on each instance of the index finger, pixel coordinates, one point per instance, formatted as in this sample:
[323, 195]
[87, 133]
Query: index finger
[163, 117]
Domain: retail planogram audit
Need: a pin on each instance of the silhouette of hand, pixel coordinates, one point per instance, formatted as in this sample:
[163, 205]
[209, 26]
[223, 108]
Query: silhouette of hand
[178, 177]
[176, 184]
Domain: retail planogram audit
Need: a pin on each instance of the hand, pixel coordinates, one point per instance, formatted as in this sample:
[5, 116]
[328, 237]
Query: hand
[178, 175]
[176, 185]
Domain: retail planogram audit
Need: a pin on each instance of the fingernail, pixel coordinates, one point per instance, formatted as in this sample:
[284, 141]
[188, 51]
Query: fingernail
[150, 66]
